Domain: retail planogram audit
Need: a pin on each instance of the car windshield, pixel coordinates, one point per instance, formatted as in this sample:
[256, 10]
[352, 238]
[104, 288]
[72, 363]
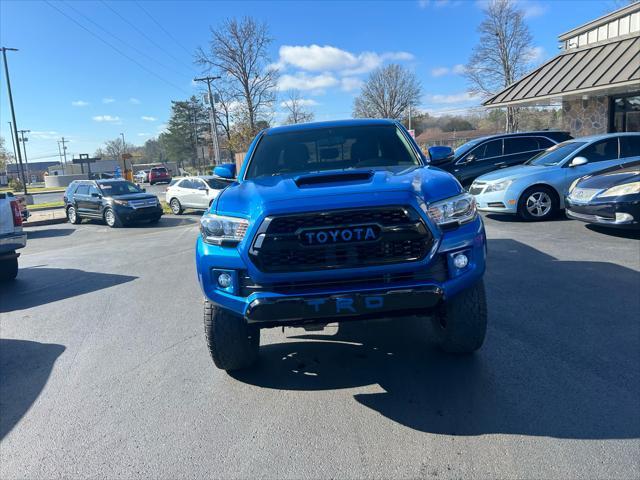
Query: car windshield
[554, 155]
[118, 188]
[465, 147]
[324, 149]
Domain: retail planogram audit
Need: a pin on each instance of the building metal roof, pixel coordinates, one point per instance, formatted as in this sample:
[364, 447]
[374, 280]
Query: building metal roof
[597, 68]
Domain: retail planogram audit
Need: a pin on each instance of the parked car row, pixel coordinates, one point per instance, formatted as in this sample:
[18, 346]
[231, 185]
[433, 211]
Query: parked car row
[595, 178]
[153, 176]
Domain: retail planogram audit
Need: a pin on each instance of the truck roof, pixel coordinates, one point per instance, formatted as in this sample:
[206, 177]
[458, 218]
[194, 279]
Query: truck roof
[354, 122]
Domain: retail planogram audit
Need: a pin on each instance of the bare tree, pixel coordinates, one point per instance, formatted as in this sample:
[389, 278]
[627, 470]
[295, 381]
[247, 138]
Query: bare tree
[388, 93]
[113, 149]
[503, 53]
[296, 106]
[238, 51]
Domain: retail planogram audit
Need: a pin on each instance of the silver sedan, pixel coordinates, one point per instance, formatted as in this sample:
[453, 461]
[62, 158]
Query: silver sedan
[536, 189]
[194, 192]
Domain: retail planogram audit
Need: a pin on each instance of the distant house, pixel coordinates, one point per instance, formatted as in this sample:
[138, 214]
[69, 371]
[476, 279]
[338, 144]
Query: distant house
[596, 78]
[33, 171]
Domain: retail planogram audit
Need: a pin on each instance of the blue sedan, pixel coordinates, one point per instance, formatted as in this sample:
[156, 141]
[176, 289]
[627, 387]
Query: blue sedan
[536, 189]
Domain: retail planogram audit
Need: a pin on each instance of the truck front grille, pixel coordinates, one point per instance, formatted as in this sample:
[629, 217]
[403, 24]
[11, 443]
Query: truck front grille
[403, 237]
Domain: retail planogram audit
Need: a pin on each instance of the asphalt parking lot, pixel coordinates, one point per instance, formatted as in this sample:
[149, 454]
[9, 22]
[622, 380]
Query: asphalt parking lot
[105, 372]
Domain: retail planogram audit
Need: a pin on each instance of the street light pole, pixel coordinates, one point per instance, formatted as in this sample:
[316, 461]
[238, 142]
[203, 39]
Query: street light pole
[212, 117]
[13, 113]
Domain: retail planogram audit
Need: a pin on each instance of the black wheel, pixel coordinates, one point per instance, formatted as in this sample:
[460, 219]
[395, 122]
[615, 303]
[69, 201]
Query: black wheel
[461, 323]
[233, 345]
[111, 218]
[176, 206]
[72, 215]
[8, 269]
[538, 203]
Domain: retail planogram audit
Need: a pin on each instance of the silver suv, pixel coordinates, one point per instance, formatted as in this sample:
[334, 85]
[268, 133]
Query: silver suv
[194, 192]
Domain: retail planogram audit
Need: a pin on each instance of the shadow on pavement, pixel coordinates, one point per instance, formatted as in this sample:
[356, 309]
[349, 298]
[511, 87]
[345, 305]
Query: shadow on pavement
[614, 232]
[561, 357]
[506, 218]
[41, 285]
[24, 368]
[48, 232]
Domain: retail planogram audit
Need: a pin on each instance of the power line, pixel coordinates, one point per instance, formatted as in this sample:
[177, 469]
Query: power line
[132, 25]
[163, 29]
[116, 48]
[128, 44]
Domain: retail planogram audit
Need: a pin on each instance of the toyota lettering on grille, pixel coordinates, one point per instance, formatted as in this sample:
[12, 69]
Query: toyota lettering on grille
[334, 235]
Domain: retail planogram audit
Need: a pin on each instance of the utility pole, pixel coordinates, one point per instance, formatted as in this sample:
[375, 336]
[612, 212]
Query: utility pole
[60, 155]
[212, 117]
[64, 150]
[13, 144]
[24, 147]
[13, 112]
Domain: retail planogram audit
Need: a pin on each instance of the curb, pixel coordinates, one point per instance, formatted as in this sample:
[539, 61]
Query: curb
[43, 209]
[50, 221]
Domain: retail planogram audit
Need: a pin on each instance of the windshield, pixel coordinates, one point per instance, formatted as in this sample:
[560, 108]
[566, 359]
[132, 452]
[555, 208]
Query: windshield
[465, 147]
[118, 188]
[554, 155]
[330, 149]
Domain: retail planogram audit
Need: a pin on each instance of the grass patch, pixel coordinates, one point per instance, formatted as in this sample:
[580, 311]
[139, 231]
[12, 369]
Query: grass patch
[165, 207]
[31, 190]
[44, 206]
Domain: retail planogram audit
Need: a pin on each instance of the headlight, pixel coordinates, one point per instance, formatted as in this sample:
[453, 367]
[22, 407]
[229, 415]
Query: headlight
[574, 183]
[461, 209]
[219, 230]
[498, 187]
[619, 190]
[124, 203]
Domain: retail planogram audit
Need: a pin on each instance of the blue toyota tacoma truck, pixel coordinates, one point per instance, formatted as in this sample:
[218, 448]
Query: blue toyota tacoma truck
[339, 221]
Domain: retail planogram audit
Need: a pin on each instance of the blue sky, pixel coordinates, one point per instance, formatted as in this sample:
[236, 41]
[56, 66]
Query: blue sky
[66, 82]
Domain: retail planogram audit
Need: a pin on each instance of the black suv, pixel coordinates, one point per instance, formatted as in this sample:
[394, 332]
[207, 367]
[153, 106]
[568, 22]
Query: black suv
[486, 154]
[116, 201]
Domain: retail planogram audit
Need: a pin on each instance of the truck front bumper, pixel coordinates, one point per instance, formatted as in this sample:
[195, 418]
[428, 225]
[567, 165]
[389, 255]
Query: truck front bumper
[330, 296]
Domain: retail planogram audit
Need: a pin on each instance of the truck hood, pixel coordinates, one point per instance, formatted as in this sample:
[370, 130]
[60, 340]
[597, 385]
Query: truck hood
[250, 197]
[515, 173]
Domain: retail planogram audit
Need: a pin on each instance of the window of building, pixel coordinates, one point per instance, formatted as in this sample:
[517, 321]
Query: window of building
[625, 114]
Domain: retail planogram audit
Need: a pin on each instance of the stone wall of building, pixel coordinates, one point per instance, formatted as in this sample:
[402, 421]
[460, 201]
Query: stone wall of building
[585, 117]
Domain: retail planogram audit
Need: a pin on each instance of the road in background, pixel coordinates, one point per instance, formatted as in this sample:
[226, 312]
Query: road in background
[105, 372]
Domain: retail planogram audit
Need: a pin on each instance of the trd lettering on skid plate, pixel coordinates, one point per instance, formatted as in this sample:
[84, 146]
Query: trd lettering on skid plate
[345, 304]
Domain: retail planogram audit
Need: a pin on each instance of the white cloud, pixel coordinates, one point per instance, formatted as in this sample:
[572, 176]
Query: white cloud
[439, 71]
[303, 81]
[349, 84]
[79, 103]
[459, 69]
[134, 101]
[531, 9]
[536, 54]
[438, 3]
[51, 135]
[316, 58]
[147, 118]
[453, 98]
[106, 118]
[303, 102]
[144, 134]
[108, 100]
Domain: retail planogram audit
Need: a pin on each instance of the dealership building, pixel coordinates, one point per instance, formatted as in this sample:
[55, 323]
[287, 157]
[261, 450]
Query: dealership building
[596, 77]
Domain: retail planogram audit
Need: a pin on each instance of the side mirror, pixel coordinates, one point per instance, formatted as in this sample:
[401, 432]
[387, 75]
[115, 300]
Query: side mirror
[576, 162]
[225, 171]
[439, 154]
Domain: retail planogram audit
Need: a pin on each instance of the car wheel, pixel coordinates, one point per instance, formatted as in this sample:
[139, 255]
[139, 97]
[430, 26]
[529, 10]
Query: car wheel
[233, 344]
[111, 218]
[8, 269]
[460, 324]
[176, 207]
[72, 216]
[538, 203]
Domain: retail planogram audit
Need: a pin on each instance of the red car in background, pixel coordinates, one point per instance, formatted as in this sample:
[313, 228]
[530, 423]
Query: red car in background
[159, 175]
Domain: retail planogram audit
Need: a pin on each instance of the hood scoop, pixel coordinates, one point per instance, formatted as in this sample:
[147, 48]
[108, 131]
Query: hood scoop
[334, 177]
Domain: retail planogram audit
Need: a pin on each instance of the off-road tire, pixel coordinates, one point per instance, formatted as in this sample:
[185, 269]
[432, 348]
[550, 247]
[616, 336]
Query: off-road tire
[116, 223]
[73, 217]
[233, 344]
[524, 214]
[176, 206]
[8, 269]
[460, 324]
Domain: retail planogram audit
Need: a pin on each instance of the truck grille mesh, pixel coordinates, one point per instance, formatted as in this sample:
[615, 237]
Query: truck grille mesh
[404, 238]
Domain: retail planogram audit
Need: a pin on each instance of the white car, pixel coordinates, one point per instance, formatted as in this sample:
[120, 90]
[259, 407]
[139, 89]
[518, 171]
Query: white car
[142, 176]
[194, 192]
